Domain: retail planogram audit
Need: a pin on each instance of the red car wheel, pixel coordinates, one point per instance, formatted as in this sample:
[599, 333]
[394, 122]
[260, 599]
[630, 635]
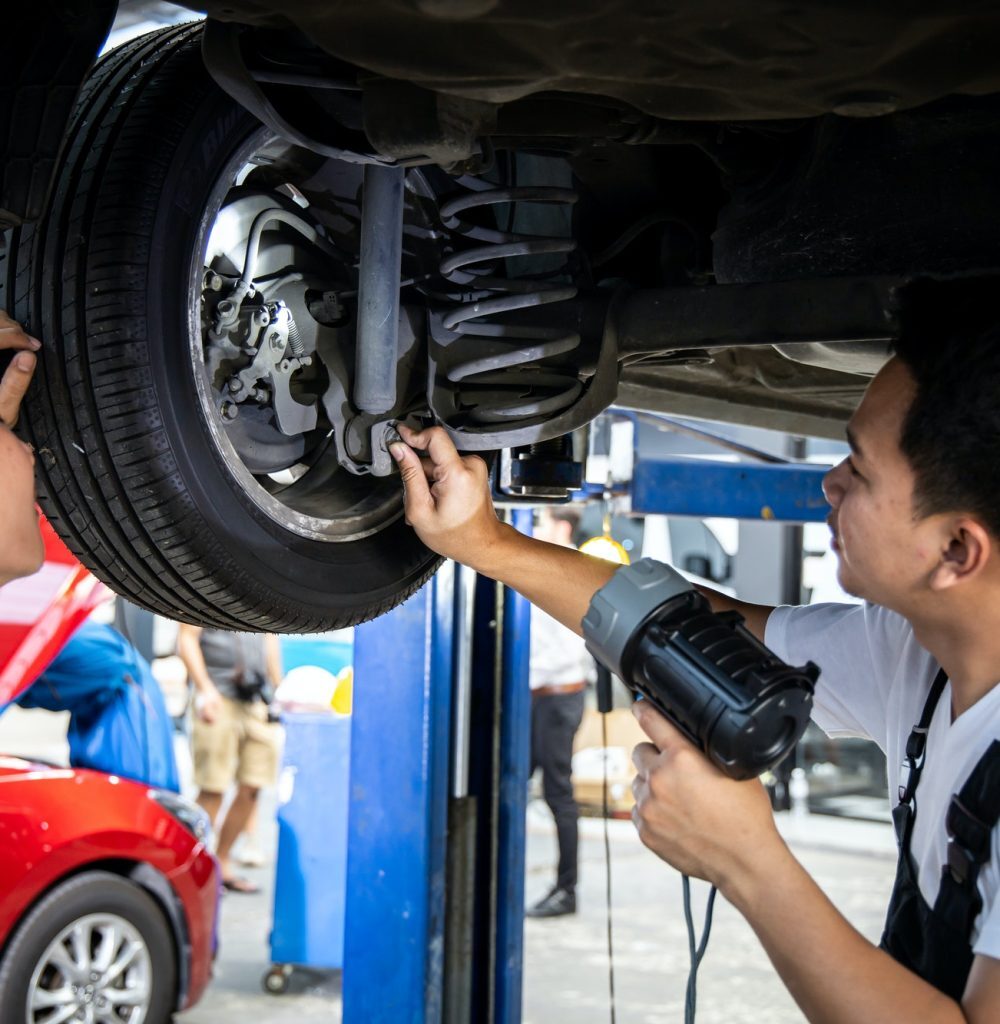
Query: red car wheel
[95, 948]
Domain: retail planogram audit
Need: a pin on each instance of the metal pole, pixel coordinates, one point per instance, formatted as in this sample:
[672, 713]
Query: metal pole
[465, 587]
[460, 906]
[792, 540]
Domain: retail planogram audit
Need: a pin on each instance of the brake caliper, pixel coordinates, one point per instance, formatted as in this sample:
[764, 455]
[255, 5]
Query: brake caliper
[277, 353]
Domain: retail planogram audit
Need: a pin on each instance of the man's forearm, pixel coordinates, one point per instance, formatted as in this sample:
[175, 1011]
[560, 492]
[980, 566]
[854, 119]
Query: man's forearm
[456, 519]
[754, 615]
[835, 974]
[272, 649]
[562, 581]
[559, 580]
[189, 651]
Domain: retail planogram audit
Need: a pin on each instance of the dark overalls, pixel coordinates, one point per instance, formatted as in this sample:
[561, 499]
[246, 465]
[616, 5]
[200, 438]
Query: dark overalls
[935, 942]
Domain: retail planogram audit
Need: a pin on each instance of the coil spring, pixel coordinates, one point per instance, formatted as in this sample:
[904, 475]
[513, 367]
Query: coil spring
[295, 346]
[500, 382]
[279, 311]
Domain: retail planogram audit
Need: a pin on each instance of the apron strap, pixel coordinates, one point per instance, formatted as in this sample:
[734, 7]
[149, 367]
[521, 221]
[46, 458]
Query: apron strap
[916, 743]
[972, 815]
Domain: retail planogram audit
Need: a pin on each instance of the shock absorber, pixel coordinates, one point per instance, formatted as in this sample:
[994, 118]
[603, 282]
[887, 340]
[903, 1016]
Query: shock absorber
[503, 368]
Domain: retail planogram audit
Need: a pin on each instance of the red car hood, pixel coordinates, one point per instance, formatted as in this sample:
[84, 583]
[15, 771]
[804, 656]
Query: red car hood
[39, 613]
[19, 766]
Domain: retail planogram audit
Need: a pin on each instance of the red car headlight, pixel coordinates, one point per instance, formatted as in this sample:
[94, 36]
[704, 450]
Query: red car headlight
[189, 814]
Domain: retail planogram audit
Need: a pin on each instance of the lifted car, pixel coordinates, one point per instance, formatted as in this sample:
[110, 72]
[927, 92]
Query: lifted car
[263, 239]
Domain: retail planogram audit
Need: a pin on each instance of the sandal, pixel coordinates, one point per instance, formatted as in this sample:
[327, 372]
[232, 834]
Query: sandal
[240, 884]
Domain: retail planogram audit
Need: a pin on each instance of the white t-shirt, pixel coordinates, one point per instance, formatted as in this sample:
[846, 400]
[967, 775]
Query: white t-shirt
[558, 655]
[874, 681]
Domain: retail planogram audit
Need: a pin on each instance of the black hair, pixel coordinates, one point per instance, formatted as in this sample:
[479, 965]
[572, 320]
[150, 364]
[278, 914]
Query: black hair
[949, 340]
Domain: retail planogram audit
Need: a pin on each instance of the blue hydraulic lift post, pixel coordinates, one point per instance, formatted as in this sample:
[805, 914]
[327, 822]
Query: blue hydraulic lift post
[397, 817]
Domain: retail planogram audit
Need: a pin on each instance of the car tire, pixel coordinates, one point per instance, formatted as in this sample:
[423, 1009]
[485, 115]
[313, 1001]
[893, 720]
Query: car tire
[128, 472]
[90, 900]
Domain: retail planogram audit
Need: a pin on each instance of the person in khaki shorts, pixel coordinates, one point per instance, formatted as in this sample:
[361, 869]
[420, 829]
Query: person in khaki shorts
[232, 739]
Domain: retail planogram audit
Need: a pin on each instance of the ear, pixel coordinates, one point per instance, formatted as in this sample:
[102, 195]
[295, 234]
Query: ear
[966, 549]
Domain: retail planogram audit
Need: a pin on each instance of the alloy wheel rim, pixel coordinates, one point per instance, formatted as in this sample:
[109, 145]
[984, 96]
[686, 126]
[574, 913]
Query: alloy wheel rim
[97, 970]
[371, 504]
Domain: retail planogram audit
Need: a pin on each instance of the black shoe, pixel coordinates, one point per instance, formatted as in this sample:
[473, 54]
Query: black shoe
[556, 904]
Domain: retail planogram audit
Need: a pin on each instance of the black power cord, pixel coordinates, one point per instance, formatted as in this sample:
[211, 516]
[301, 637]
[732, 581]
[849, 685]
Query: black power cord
[697, 951]
[696, 947]
[604, 705]
[607, 862]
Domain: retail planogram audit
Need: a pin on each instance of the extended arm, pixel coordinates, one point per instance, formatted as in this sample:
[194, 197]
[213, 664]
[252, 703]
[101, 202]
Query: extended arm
[272, 654]
[448, 503]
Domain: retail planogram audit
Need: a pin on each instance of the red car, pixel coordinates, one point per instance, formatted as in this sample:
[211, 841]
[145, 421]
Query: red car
[108, 894]
[108, 898]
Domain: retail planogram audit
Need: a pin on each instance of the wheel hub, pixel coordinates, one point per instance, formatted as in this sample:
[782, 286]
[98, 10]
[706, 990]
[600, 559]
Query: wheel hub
[97, 969]
[274, 289]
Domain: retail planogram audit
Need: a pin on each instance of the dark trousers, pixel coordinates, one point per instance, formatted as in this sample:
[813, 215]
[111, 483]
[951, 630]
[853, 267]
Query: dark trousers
[554, 721]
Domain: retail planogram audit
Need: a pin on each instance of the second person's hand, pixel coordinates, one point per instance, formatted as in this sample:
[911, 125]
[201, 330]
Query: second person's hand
[447, 497]
[17, 376]
[208, 705]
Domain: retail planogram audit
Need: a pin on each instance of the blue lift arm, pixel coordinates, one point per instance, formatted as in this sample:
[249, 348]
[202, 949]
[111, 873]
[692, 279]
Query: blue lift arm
[785, 492]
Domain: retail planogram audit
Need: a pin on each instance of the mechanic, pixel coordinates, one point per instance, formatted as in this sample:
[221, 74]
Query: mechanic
[559, 669]
[916, 526]
[118, 720]
[232, 739]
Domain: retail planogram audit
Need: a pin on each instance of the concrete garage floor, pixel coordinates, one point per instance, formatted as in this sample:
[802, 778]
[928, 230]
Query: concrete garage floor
[736, 984]
[565, 974]
[565, 960]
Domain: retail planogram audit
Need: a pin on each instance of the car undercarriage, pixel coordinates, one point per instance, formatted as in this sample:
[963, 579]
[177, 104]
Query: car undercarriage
[271, 237]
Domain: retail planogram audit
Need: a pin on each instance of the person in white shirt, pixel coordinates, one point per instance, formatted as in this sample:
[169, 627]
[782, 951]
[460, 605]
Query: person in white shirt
[915, 520]
[560, 668]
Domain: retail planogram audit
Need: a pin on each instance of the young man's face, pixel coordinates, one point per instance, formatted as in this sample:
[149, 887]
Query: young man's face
[885, 552]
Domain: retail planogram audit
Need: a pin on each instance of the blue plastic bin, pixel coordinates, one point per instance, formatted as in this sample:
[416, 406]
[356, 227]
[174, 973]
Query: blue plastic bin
[311, 868]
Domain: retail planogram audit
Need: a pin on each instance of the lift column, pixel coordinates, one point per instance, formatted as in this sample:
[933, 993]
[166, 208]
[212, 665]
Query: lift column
[439, 769]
